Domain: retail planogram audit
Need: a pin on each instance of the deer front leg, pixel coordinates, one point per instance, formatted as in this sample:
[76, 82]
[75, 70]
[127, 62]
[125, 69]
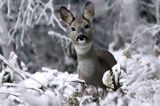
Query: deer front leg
[80, 76]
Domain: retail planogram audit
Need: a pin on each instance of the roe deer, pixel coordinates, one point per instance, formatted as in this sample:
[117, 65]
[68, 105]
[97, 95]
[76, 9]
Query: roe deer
[92, 63]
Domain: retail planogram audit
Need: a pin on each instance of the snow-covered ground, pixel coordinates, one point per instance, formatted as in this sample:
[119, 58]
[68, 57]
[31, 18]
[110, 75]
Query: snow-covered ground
[140, 78]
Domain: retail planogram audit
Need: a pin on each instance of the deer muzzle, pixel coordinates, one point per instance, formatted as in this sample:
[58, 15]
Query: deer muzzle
[82, 39]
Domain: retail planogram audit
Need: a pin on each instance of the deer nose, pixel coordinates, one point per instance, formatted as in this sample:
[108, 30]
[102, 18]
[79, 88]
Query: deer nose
[81, 37]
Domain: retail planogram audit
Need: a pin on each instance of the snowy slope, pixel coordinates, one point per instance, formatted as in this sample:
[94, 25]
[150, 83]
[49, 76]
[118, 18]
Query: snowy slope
[140, 78]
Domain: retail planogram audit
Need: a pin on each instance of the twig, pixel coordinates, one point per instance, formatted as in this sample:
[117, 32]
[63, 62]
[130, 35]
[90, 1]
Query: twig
[2, 3]
[16, 95]
[55, 34]
[17, 25]
[16, 85]
[22, 37]
[90, 84]
[157, 7]
[28, 75]
[9, 8]
[142, 34]
[10, 66]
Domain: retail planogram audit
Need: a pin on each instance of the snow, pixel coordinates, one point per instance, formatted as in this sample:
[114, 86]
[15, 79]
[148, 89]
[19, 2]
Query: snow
[139, 70]
[107, 79]
[140, 79]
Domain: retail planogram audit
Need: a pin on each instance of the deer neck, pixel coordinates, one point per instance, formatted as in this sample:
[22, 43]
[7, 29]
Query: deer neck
[90, 54]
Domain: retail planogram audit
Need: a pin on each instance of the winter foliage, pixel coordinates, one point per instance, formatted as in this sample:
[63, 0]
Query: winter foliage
[140, 85]
[38, 61]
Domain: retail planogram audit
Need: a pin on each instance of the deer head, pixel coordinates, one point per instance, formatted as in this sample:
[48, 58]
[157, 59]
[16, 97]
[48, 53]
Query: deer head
[80, 27]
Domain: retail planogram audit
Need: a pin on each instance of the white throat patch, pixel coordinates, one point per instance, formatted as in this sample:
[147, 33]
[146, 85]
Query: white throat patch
[82, 41]
[81, 49]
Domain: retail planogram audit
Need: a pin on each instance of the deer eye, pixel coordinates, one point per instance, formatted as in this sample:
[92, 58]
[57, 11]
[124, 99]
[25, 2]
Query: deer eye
[73, 28]
[86, 26]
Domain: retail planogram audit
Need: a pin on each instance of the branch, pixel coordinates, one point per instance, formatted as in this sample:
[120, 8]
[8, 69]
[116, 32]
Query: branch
[16, 85]
[55, 34]
[14, 94]
[26, 74]
[141, 35]
[89, 84]
[10, 66]
[157, 7]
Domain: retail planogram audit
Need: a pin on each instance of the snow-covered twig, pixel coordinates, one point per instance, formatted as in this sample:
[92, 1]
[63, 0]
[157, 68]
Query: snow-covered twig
[18, 71]
[10, 66]
[46, 88]
[138, 38]
[17, 95]
[17, 25]
[80, 82]
[9, 6]
[55, 34]
[2, 2]
[19, 86]
[157, 6]
[30, 13]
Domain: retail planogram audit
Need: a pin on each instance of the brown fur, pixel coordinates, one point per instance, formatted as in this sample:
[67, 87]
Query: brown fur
[92, 63]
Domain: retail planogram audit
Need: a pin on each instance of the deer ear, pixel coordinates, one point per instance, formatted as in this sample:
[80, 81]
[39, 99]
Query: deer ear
[89, 11]
[66, 15]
